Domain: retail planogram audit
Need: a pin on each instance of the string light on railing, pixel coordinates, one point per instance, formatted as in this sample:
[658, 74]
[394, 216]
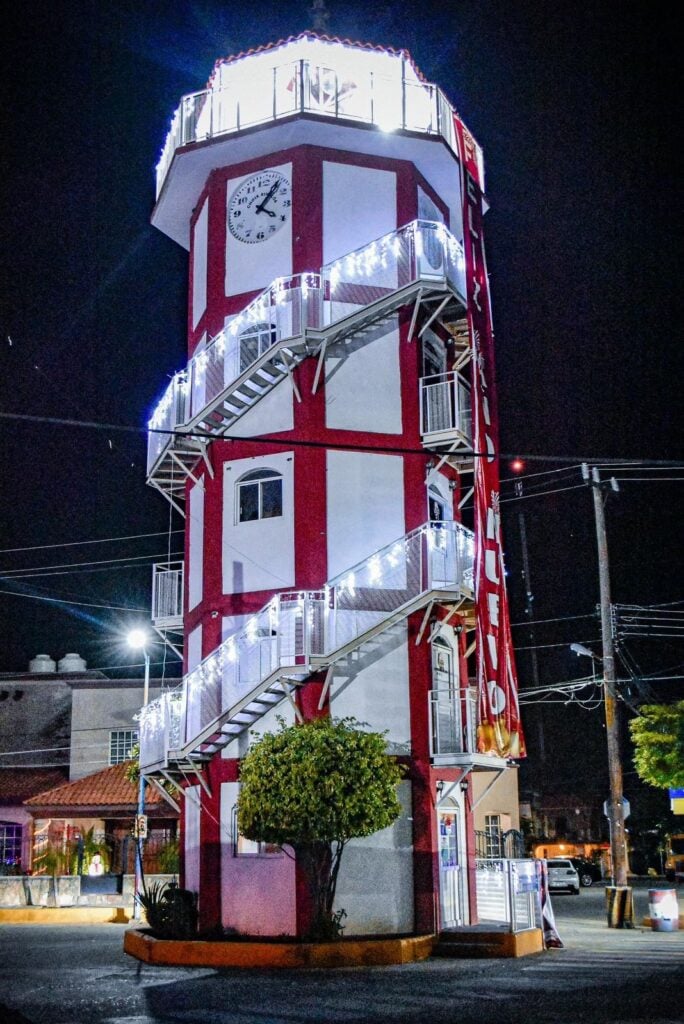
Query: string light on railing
[374, 570]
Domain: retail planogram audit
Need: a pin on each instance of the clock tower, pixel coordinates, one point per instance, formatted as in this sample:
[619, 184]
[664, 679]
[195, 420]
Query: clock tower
[321, 443]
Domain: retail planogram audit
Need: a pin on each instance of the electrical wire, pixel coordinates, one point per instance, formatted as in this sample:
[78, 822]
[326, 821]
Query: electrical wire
[81, 543]
[299, 442]
[80, 604]
[16, 573]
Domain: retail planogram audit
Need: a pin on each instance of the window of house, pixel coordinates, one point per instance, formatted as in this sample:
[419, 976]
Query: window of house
[493, 844]
[248, 847]
[121, 742]
[10, 843]
[259, 495]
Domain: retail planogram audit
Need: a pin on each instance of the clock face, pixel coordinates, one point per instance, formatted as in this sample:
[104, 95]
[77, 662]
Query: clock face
[259, 207]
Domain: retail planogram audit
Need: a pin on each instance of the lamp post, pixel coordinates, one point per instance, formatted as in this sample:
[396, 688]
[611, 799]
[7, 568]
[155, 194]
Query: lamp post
[137, 639]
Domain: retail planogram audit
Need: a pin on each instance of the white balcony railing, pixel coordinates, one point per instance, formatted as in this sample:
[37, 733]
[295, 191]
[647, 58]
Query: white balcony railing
[506, 892]
[453, 722]
[262, 95]
[167, 594]
[170, 412]
[445, 407]
[295, 629]
[421, 253]
[160, 729]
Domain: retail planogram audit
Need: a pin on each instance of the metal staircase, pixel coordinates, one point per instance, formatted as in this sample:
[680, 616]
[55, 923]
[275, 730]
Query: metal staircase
[420, 264]
[302, 632]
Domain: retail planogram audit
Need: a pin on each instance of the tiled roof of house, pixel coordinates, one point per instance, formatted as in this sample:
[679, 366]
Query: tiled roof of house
[108, 787]
[18, 784]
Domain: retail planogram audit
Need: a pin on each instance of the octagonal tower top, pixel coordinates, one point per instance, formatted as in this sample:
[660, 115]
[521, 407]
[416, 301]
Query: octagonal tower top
[311, 87]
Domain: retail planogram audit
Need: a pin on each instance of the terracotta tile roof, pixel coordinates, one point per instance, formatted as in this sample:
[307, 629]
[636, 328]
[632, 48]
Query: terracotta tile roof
[312, 35]
[18, 784]
[109, 788]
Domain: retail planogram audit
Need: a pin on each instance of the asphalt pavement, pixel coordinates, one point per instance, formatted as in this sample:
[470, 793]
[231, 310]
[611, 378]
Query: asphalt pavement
[79, 975]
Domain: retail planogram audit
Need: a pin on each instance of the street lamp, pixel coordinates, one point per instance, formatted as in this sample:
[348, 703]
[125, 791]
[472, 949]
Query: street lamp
[137, 639]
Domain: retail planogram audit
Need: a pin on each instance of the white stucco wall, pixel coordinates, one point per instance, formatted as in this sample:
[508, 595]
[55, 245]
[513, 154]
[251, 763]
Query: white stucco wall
[365, 505]
[363, 384]
[195, 544]
[370, 193]
[191, 837]
[373, 687]
[199, 265]
[258, 555]
[375, 884]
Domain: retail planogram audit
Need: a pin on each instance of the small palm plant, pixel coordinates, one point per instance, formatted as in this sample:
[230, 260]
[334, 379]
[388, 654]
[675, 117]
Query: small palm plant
[171, 912]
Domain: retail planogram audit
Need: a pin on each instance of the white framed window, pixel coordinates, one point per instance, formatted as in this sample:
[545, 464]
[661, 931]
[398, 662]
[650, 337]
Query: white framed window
[10, 843]
[121, 742]
[248, 847]
[254, 341]
[493, 844]
[259, 496]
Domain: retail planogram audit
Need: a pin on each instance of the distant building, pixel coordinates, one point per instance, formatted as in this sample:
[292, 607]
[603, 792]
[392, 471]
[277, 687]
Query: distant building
[58, 721]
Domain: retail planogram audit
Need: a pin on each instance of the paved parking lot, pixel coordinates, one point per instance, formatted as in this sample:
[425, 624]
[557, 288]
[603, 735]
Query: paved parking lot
[79, 975]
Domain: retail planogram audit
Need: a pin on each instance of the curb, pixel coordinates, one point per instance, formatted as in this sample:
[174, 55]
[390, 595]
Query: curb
[347, 953]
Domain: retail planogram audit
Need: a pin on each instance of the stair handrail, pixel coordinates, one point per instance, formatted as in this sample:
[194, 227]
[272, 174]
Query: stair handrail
[256, 310]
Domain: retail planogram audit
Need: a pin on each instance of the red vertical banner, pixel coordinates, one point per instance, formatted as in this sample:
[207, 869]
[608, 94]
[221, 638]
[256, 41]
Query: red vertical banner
[499, 729]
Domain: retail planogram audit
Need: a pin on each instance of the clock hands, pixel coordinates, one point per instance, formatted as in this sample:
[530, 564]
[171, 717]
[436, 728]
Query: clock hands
[261, 208]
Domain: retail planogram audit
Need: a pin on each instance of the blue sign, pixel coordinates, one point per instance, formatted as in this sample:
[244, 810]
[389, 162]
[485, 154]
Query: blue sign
[676, 794]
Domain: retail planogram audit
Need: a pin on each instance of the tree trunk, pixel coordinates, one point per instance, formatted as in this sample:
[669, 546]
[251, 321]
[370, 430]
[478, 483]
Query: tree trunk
[320, 863]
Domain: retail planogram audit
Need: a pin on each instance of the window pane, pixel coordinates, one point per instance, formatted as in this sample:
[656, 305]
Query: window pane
[10, 843]
[271, 499]
[249, 502]
[121, 742]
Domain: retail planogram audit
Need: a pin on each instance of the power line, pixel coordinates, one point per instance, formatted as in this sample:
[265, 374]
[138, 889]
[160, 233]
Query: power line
[80, 604]
[298, 442]
[563, 618]
[15, 573]
[81, 543]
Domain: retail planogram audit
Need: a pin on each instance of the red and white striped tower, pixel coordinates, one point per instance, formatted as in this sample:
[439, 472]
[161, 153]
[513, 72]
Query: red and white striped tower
[320, 444]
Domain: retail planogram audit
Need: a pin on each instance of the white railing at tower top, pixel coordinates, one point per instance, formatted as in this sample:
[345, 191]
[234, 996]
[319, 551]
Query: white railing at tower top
[298, 629]
[420, 253]
[264, 95]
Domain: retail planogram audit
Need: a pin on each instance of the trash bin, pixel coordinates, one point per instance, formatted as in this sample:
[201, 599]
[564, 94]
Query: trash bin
[663, 909]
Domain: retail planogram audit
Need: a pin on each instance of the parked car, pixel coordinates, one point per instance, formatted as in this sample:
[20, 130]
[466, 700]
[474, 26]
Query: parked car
[563, 876]
[588, 871]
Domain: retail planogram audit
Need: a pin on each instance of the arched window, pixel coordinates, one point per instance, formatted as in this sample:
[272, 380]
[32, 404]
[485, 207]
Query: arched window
[442, 665]
[254, 341]
[259, 495]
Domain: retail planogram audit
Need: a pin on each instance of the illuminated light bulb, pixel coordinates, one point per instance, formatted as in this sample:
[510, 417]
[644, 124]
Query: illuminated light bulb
[305, 287]
[200, 362]
[374, 570]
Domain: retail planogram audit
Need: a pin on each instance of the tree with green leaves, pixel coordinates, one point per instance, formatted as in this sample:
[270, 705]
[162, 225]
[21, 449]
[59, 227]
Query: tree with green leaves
[313, 787]
[658, 735]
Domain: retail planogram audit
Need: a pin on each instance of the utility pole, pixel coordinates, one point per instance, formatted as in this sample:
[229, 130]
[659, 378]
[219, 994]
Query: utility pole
[529, 612]
[620, 912]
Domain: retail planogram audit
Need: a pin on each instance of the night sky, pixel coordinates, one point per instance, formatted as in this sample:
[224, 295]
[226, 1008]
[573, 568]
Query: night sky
[575, 106]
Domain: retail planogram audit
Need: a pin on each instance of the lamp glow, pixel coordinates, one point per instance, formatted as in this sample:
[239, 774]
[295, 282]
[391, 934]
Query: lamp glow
[137, 638]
